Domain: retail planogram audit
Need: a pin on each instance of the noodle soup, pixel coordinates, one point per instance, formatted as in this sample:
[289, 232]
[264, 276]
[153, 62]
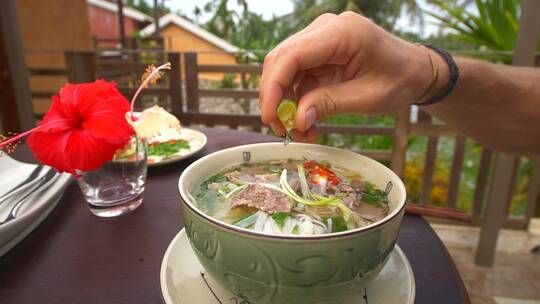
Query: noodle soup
[292, 197]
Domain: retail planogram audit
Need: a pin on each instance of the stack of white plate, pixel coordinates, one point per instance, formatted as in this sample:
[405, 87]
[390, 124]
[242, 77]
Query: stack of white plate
[34, 209]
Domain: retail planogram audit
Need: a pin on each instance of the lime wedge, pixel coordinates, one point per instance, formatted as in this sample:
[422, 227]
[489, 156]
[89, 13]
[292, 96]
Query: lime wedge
[286, 111]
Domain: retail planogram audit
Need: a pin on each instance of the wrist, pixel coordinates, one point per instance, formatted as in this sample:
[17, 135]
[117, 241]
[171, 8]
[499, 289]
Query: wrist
[449, 76]
[425, 75]
[442, 70]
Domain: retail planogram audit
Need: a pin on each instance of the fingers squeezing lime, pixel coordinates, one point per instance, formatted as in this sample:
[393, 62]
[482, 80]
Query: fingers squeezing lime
[286, 111]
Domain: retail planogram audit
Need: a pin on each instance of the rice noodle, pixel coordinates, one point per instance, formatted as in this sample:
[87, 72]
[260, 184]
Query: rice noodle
[270, 186]
[306, 227]
[259, 224]
[329, 222]
[269, 226]
[299, 207]
[289, 225]
[234, 191]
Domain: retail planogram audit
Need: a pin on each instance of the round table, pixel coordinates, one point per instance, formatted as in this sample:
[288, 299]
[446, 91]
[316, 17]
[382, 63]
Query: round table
[76, 257]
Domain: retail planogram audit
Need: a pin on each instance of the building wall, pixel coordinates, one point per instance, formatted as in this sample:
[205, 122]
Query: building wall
[179, 40]
[104, 23]
[48, 28]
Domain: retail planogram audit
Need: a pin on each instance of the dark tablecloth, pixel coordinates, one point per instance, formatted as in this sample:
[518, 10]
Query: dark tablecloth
[76, 257]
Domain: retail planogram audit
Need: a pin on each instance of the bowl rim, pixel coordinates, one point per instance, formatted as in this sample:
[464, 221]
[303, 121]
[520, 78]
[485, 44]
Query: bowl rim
[362, 230]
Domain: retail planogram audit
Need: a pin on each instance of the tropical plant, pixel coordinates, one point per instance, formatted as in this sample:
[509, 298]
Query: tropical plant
[224, 21]
[146, 8]
[382, 12]
[247, 30]
[495, 26]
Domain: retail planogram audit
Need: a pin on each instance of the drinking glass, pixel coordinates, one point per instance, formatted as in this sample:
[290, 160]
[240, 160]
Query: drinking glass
[116, 188]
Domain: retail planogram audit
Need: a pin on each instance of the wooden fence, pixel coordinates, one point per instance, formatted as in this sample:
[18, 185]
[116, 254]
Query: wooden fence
[492, 186]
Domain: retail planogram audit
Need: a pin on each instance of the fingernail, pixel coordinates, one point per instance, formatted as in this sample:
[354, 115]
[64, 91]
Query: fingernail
[311, 118]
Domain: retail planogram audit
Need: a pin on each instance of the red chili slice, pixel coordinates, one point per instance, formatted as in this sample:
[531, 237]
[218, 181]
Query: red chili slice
[315, 168]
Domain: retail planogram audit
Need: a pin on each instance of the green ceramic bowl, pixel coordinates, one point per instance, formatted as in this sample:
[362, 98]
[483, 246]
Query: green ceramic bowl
[265, 268]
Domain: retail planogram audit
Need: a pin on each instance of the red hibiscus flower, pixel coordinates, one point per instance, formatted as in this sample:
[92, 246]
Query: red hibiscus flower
[82, 130]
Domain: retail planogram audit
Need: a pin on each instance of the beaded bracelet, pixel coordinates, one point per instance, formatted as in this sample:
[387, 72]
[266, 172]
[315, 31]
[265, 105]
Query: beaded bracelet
[454, 76]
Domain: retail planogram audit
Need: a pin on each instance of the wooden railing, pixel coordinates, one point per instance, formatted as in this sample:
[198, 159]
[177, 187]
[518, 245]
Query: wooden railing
[491, 188]
[130, 43]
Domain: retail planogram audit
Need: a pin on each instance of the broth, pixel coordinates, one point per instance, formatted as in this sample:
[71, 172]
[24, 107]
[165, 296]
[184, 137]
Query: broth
[292, 197]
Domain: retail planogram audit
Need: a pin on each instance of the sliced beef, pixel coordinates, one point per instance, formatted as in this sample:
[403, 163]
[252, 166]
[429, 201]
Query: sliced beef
[215, 186]
[265, 178]
[370, 212]
[236, 175]
[242, 176]
[357, 185]
[350, 200]
[264, 199]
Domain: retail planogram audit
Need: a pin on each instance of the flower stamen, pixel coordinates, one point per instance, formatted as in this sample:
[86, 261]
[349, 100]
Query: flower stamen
[150, 76]
[9, 143]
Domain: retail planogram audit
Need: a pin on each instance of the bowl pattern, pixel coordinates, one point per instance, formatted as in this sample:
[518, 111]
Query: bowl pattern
[270, 270]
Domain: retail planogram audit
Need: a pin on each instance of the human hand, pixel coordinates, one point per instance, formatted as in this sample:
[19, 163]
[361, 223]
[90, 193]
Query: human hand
[344, 64]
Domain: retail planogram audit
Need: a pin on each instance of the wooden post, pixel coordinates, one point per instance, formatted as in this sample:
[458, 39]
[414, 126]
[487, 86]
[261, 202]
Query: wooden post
[481, 182]
[524, 55]
[16, 63]
[95, 42]
[121, 29]
[495, 210]
[156, 18]
[429, 164]
[534, 189]
[175, 84]
[80, 66]
[455, 172]
[513, 184]
[401, 135]
[192, 82]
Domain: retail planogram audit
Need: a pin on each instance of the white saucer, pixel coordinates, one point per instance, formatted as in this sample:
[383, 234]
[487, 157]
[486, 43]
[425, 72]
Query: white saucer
[197, 140]
[183, 280]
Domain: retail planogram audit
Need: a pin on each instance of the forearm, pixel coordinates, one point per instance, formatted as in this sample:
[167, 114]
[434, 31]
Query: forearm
[497, 105]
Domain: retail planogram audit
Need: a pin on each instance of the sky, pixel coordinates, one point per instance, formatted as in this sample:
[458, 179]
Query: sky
[269, 8]
[264, 7]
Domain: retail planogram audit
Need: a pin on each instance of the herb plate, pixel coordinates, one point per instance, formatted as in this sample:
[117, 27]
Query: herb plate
[197, 140]
[183, 280]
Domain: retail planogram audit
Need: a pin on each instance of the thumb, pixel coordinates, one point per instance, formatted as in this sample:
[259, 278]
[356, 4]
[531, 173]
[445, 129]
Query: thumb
[345, 97]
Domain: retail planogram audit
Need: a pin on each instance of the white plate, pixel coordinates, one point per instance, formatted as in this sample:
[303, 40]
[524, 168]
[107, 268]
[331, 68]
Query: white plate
[197, 141]
[183, 280]
[32, 212]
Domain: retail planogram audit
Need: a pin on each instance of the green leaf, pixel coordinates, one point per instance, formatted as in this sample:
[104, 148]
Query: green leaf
[373, 196]
[280, 217]
[168, 148]
[247, 221]
[274, 169]
[495, 25]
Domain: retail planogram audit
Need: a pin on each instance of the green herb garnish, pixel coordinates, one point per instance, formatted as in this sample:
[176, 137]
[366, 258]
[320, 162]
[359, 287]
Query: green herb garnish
[247, 221]
[274, 169]
[373, 196]
[280, 217]
[218, 178]
[168, 148]
[338, 223]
